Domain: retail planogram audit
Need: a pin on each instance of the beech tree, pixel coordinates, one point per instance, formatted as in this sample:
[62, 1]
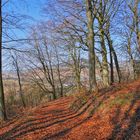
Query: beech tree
[91, 47]
[134, 7]
[101, 21]
[107, 11]
[133, 31]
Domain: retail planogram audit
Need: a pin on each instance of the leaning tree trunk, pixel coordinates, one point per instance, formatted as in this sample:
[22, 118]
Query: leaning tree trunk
[110, 43]
[2, 100]
[90, 42]
[117, 64]
[20, 87]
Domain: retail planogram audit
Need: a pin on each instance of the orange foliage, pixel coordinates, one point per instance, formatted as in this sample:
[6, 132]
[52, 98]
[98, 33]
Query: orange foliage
[56, 121]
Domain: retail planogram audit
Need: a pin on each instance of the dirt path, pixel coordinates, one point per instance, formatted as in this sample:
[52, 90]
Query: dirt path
[55, 121]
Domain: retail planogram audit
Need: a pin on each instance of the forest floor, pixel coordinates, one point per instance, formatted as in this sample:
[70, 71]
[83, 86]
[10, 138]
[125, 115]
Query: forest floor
[113, 114]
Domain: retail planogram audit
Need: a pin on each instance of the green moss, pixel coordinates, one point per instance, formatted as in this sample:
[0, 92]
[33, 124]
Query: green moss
[121, 100]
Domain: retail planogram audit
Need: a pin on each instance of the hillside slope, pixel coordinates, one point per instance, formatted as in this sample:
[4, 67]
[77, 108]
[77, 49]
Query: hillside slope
[113, 114]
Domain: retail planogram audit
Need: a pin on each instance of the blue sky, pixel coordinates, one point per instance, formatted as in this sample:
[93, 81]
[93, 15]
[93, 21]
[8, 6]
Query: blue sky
[27, 7]
[30, 8]
[33, 8]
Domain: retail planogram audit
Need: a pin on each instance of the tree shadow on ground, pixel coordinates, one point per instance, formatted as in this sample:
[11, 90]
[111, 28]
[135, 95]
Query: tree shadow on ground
[63, 132]
[30, 126]
[34, 124]
[126, 133]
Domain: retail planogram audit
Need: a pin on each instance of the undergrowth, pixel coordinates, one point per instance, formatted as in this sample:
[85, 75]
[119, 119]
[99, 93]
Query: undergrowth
[120, 100]
[80, 99]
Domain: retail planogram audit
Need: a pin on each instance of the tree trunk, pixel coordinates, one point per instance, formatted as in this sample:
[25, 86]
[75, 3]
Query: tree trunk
[104, 56]
[100, 18]
[100, 66]
[2, 100]
[132, 63]
[111, 66]
[15, 63]
[136, 18]
[78, 81]
[104, 61]
[90, 42]
[117, 64]
[110, 43]
[60, 81]
[133, 67]
[54, 93]
[77, 69]
[20, 87]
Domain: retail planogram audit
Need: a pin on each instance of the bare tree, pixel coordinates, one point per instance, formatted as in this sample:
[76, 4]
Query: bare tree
[100, 18]
[75, 55]
[44, 64]
[2, 100]
[90, 21]
[134, 7]
[16, 66]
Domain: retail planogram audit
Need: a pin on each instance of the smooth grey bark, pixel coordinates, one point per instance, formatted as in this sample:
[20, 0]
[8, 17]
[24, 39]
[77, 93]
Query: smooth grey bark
[105, 69]
[91, 43]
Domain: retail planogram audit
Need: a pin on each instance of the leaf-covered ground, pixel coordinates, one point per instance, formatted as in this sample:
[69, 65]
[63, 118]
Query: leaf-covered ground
[113, 114]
